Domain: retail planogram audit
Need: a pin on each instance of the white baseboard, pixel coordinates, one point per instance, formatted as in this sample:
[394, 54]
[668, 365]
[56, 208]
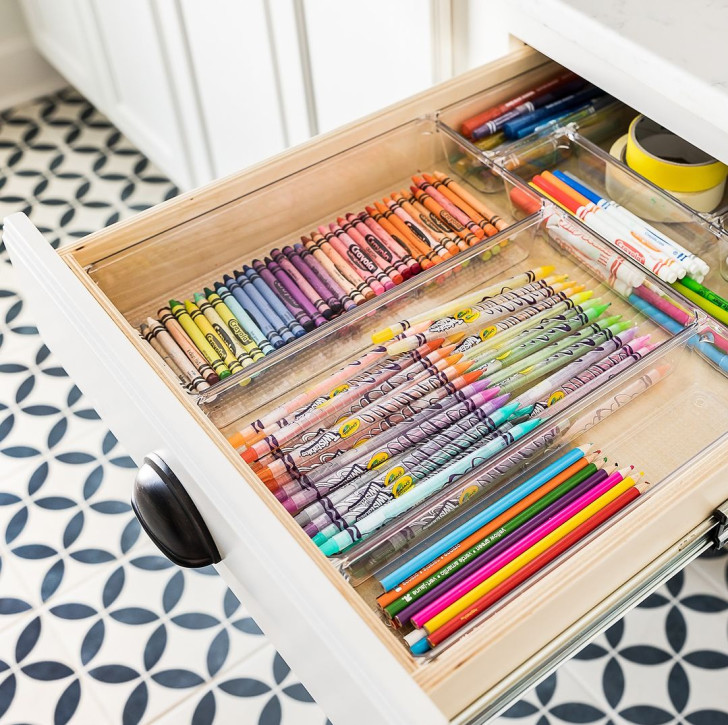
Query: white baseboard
[24, 73]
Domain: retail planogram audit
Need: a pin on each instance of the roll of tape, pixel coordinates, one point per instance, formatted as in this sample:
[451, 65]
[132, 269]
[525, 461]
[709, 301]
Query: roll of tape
[642, 200]
[669, 161]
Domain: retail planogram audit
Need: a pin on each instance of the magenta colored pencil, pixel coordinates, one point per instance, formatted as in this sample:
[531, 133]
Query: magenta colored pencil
[412, 264]
[482, 573]
[324, 277]
[302, 283]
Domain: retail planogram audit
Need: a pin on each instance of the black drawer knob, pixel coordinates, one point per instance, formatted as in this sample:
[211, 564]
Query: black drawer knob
[170, 517]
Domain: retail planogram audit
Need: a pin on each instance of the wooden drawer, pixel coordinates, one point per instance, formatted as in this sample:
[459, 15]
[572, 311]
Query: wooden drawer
[88, 297]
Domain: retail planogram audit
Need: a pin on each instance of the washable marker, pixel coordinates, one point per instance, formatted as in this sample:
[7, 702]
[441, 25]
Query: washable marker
[245, 320]
[186, 345]
[547, 86]
[590, 462]
[263, 306]
[333, 248]
[464, 300]
[399, 232]
[222, 331]
[490, 575]
[190, 374]
[330, 298]
[394, 259]
[214, 340]
[693, 263]
[295, 291]
[389, 272]
[395, 247]
[414, 563]
[360, 259]
[303, 283]
[491, 546]
[426, 488]
[535, 565]
[212, 354]
[282, 292]
[236, 330]
[243, 298]
[274, 302]
[348, 288]
[499, 223]
[472, 213]
[430, 222]
[403, 209]
[165, 357]
[454, 211]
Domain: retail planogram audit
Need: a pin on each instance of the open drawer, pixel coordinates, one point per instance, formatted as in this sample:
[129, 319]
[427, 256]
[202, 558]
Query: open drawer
[89, 297]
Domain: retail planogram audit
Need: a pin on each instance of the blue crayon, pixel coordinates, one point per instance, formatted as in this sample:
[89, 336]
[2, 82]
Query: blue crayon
[274, 301]
[265, 309]
[244, 319]
[243, 298]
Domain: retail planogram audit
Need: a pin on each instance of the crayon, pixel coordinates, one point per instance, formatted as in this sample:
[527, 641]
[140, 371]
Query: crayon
[245, 320]
[265, 283]
[287, 283]
[302, 282]
[442, 233]
[265, 310]
[406, 471]
[164, 356]
[243, 298]
[387, 269]
[274, 302]
[536, 564]
[187, 346]
[427, 241]
[329, 244]
[215, 341]
[379, 449]
[420, 249]
[455, 212]
[499, 223]
[472, 297]
[404, 209]
[237, 331]
[394, 592]
[360, 259]
[485, 224]
[190, 374]
[495, 543]
[332, 299]
[460, 229]
[394, 246]
[426, 488]
[323, 276]
[509, 561]
[286, 293]
[212, 354]
[222, 331]
[390, 256]
[414, 563]
[547, 86]
[350, 289]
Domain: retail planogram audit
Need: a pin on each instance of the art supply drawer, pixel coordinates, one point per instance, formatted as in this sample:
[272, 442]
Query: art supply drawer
[321, 612]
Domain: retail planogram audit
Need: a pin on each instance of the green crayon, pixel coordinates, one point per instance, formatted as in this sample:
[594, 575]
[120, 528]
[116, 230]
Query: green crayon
[222, 330]
[236, 329]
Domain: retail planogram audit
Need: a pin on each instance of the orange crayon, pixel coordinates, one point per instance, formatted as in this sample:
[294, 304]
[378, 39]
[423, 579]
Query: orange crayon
[455, 211]
[384, 217]
[454, 199]
[499, 223]
[436, 239]
[429, 203]
[441, 231]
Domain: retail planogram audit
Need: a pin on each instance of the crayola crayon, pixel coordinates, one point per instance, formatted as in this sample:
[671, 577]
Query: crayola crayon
[212, 354]
[331, 299]
[389, 272]
[444, 202]
[275, 302]
[303, 284]
[392, 223]
[284, 295]
[349, 288]
[288, 290]
[164, 356]
[222, 330]
[460, 229]
[212, 337]
[499, 223]
[243, 299]
[429, 223]
[261, 304]
[359, 258]
[236, 330]
[391, 258]
[405, 211]
[322, 275]
[322, 239]
[391, 242]
[186, 345]
[407, 222]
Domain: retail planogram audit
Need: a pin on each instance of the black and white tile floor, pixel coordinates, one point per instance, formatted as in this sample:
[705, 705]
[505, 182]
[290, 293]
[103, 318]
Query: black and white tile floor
[96, 627]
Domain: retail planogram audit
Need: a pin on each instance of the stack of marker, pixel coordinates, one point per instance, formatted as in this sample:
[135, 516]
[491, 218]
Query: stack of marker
[565, 98]
[438, 395]
[464, 572]
[274, 301]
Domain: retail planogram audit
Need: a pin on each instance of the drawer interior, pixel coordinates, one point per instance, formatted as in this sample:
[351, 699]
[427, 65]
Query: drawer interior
[649, 430]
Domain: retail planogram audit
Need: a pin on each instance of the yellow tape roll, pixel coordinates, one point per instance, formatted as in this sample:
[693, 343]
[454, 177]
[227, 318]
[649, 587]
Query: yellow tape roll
[668, 160]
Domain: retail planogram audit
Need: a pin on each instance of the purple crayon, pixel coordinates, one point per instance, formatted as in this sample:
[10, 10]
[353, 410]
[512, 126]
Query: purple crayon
[324, 277]
[288, 296]
[321, 289]
[302, 283]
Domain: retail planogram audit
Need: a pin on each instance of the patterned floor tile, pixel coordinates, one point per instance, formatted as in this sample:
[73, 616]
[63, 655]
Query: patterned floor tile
[261, 690]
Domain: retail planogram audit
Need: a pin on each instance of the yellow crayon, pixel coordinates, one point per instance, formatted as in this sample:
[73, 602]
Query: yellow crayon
[215, 341]
[222, 332]
[236, 329]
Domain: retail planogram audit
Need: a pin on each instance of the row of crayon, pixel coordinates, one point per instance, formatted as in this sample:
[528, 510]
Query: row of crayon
[449, 391]
[562, 99]
[274, 301]
[462, 575]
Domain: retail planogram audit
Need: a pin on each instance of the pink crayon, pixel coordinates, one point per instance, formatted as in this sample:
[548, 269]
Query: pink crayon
[391, 242]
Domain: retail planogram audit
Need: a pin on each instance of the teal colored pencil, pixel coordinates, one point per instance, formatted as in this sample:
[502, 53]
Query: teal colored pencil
[426, 488]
